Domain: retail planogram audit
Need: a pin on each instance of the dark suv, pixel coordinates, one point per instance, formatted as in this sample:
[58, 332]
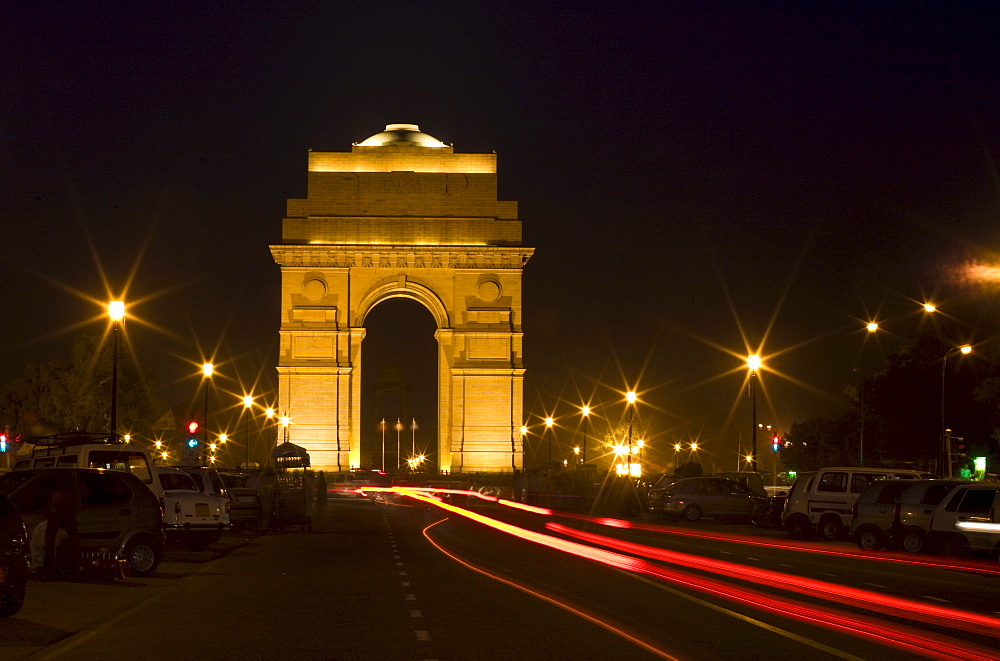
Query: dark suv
[13, 558]
[118, 514]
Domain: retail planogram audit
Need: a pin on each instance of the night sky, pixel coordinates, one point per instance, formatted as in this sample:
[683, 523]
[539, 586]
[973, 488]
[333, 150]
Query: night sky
[699, 182]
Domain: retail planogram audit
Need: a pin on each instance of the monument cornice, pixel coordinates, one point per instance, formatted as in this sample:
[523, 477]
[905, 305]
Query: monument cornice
[400, 256]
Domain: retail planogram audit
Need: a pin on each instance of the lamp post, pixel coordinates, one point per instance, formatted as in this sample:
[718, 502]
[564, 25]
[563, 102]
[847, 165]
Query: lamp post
[381, 426]
[585, 410]
[524, 435]
[116, 310]
[247, 404]
[285, 421]
[207, 370]
[548, 425]
[399, 428]
[753, 364]
[965, 349]
[630, 398]
[269, 414]
[413, 438]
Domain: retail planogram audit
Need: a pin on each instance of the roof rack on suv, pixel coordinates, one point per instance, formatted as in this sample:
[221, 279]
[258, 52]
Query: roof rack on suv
[68, 439]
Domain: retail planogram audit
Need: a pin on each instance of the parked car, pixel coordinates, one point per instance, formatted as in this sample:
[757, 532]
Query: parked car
[691, 498]
[118, 514]
[191, 518]
[876, 514]
[245, 511]
[967, 521]
[13, 558]
[916, 509]
[824, 502]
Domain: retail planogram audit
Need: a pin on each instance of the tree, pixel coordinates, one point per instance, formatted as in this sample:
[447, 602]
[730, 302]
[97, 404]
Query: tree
[75, 395]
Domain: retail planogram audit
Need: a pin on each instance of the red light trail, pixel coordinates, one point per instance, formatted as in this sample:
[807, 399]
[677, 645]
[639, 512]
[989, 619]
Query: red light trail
[894, 635]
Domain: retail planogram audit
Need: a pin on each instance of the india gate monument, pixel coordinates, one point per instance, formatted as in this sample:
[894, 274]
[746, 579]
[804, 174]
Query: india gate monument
[402, 215]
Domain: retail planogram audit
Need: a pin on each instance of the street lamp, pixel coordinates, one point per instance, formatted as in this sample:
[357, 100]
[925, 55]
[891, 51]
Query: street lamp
[269, 414]
[585, 410]
[247, 404]
[206, 369]
[753, 364]
[965, 349]
[399, 428]
[548, 425]
[381, 426]
[116, 310]
[630, 398]
[524, 434]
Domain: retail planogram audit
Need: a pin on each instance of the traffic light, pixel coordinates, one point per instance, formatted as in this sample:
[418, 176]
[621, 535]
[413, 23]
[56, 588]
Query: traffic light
[959, 445]
[776, 443]
[192, 441]
[3, 442]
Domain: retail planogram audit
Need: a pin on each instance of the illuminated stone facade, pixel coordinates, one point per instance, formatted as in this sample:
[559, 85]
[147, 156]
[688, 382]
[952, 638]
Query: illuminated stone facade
[402, 215]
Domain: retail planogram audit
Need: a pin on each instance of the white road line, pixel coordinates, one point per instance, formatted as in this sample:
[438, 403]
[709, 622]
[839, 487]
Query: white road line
[410, 597]
[823, 573]
[422, 635]
[416, 613]
[403, 573]
[754, 559]
[875, 585]
[787, 566]
[943, 601]
[405, 584]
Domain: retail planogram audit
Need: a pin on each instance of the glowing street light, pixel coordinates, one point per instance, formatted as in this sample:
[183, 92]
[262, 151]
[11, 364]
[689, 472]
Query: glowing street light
[630, 399]
[585, 411]
[207, 369]
[247, 404]
[872, 327]
[116, 311]
[753, 364]
[549, 421]
[965, 350]
[930, 307]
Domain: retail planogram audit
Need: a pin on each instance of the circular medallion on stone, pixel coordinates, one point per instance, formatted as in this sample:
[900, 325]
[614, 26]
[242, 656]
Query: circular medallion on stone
[314, 289]
[489, 291]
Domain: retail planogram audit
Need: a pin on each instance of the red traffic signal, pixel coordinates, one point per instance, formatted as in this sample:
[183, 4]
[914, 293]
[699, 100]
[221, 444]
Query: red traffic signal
[193, 427]
[776, 443]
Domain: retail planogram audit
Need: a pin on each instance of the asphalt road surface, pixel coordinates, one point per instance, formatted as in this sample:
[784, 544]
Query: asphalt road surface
[408, 579]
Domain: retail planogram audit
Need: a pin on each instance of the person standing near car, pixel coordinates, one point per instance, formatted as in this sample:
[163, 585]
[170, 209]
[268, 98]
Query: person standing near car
[63, 506]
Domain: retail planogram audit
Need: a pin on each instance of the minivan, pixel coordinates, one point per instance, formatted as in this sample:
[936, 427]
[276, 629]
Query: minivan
[823, 503]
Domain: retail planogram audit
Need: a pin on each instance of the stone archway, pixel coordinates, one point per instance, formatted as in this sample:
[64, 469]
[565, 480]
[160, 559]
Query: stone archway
[402, 215]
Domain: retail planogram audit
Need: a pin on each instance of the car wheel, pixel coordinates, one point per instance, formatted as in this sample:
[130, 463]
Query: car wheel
[691, 513]
[142, 557]
[18, 579]
[955, 547]
[799, 527]
[831, 529]
[912, 541]
[869, 538]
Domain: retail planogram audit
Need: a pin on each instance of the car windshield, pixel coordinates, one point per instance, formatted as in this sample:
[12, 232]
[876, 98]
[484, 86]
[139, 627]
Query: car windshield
[177, 481]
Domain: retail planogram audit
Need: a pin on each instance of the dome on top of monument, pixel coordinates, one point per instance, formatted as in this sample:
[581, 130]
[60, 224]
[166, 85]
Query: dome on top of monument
[401, 134]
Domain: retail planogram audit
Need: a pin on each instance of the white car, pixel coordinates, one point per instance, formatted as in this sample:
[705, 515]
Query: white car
[191, 518]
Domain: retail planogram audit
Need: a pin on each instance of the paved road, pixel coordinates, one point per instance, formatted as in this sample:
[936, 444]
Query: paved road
[398, 581]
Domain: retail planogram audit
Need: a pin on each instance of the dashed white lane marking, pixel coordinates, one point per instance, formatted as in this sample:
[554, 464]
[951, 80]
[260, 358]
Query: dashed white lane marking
[876, 585]
[725, 552]
[405, 584]
[786, 566]
[399, 564]
[754, 559]
[416, 613]
[410, 597]
[422, 635]
[943, 601]
[402, 573]
[823, 573]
